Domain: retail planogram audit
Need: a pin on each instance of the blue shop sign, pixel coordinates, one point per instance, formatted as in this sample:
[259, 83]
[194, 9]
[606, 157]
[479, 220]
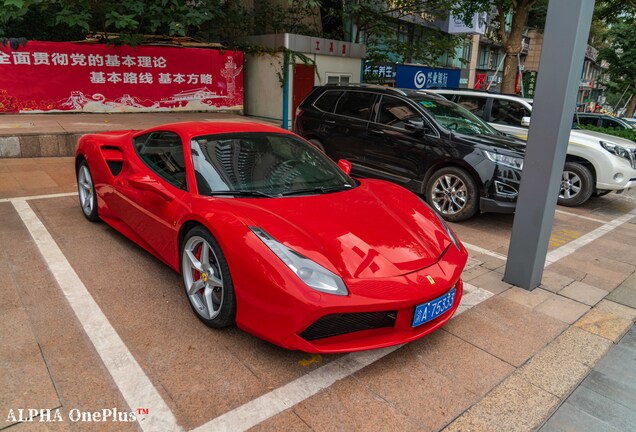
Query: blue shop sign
[420, 77]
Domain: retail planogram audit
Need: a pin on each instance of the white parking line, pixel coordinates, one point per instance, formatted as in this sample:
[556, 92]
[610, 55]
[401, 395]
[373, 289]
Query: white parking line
[566, 213]
[32, 197]
[483, 251]
[270, 404]
[129, 377]
[574, 245]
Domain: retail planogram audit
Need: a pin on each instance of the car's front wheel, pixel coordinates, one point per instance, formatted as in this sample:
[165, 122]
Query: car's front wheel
[206, 278]
[87, 194]
[452, 192]
[577, 185]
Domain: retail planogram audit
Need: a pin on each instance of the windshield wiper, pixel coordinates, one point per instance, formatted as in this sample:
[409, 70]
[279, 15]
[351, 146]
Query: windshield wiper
[246, 193]
[319, 189]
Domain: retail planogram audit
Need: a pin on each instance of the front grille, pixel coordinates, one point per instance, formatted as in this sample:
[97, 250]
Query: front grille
[339, 324]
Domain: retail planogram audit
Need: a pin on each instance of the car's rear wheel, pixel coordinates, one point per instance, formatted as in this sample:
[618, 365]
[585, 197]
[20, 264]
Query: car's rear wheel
[576, 185]
[452, 192]
[206, 278]
[87, 194]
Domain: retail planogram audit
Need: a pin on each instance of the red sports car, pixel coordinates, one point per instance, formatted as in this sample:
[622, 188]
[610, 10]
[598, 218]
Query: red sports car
[272, 235]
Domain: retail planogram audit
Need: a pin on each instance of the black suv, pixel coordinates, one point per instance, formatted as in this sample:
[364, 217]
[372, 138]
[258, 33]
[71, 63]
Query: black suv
[420, 140]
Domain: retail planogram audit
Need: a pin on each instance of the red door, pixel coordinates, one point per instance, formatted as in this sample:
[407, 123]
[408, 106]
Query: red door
[303, 83]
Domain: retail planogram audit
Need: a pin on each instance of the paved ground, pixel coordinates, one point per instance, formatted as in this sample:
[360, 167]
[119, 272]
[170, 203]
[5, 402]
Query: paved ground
[91, 322]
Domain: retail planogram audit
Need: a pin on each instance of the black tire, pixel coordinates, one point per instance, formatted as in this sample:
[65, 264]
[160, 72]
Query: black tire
[577, 185]
[86, 191]
[452, 192]
[216, 269]
[318, 144]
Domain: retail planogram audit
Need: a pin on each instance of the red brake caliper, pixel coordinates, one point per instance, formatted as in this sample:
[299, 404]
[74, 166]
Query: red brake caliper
[196, 274]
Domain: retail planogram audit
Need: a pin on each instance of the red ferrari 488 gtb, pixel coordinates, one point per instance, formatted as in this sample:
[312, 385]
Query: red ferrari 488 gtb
[272, 235]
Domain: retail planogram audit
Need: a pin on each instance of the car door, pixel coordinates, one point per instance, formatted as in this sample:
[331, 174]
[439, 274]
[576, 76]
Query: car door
[343, 131]
[153, 191]
[396, 152]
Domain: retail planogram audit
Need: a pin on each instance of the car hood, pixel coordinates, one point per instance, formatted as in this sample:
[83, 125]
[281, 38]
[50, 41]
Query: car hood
[602, 136]
[374, 230]
[499, 142]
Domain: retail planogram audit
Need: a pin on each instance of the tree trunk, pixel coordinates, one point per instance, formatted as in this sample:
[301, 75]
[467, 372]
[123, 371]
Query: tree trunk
[513, 44]
[631, 106]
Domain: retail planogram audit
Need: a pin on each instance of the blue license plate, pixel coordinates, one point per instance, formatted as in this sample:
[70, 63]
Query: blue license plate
[431, 310]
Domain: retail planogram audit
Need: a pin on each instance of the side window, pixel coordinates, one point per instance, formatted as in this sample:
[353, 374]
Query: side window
[587, 121]
[327, 101]
[395, 112]
[507, 112]
[163, 153]
[355, 104]
[474, 104]
[611, 123]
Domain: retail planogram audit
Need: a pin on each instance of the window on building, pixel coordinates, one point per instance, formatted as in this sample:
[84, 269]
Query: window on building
[334, 78]
[483, 58]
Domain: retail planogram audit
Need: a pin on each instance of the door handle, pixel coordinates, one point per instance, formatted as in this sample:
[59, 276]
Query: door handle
[330, 121]
[377, 131]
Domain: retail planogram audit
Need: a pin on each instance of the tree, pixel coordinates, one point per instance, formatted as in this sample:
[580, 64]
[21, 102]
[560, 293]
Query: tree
[510, 34]
[620, 49]
[393, 30]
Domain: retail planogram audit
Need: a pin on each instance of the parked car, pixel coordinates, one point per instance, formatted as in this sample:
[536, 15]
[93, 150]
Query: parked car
[596, 163]
[601, 120]
[421, 141]
[272, 235]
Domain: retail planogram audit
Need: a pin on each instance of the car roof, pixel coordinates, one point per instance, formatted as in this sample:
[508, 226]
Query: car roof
[376, 88]
[196, 128]
[483, 93]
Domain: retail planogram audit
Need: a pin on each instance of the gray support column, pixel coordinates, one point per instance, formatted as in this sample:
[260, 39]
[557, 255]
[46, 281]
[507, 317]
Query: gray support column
[566, 32]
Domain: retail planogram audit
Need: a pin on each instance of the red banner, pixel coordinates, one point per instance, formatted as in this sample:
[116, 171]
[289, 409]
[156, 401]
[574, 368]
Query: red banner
[63, 77]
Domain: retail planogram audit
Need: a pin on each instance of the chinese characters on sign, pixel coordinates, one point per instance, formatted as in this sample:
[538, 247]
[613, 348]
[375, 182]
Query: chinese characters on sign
[50, 76]
[420, 77]
[374, 72]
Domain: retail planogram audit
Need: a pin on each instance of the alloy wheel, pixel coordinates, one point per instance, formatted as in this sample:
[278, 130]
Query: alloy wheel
[449, 194]
[571, 185]
[202, 277]
[85, 189]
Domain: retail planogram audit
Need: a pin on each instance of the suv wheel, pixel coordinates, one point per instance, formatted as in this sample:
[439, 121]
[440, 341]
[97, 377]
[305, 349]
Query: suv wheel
[576, 185]
[452, 192]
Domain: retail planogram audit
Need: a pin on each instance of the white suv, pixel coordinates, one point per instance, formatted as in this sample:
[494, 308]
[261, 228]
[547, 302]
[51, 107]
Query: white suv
[596, 163]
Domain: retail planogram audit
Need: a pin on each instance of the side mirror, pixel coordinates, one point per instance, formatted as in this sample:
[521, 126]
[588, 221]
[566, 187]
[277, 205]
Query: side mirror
[525, 121]
[416, 126]
[345, 166]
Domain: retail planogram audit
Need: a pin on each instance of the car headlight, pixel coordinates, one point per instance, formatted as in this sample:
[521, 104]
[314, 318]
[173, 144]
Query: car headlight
[505, 160]
[620, 151]
[311, 273]
[451, 235]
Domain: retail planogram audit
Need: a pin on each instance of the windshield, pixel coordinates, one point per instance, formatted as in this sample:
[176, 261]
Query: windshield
[456, 118]
[263, 164]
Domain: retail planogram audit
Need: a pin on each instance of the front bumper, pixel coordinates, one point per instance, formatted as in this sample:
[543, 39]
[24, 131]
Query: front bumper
[282, 310]
[490, 205]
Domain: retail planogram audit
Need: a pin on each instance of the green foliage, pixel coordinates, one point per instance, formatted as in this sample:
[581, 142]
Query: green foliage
[629, 134]
[390, 29]
[620, 53]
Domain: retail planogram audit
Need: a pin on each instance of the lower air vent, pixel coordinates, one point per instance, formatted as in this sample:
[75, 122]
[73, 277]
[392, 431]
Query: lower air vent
[115, 166]
[338, 324]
